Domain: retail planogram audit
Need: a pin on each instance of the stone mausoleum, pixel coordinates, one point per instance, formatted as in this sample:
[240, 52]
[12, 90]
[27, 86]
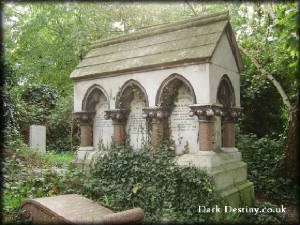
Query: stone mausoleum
[179, 80]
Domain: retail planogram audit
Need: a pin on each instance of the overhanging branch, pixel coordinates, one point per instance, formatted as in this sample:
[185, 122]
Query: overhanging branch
[270, 77]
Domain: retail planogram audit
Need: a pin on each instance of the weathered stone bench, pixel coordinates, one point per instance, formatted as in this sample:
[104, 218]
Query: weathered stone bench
[74, 209]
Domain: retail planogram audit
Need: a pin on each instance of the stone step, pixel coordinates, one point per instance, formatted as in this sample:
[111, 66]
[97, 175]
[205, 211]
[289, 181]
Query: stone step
[229, 174]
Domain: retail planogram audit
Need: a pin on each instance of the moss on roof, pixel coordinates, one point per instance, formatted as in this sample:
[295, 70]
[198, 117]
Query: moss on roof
[163, 46]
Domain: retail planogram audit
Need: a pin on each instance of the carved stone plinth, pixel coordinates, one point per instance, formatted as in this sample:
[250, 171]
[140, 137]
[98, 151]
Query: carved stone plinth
[118, 117]
[86, 121]
[156, 115]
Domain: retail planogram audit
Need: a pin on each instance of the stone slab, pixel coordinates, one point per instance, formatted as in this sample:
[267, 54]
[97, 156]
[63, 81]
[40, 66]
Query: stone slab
[37, 138]
[136, 124]
[74, 209]
[102, 128]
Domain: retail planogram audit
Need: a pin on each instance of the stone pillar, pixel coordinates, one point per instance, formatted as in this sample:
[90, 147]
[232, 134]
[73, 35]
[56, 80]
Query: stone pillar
[86, 135]
[228, 134]
[156, 115]
[205, 134]
[229, 127]
[86, 127]
[206, 130]
[118, 117]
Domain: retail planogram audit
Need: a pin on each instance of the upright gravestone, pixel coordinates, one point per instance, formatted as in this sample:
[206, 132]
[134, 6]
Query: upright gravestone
[183, 128]
[37, 138]
[136, 124]
[102, 129]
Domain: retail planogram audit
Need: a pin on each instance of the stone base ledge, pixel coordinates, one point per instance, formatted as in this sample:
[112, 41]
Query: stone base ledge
[84, 158]
[229, 174]
[208, 159]
[227, 168]
[78, 164]
[87, 148]
[229, 149]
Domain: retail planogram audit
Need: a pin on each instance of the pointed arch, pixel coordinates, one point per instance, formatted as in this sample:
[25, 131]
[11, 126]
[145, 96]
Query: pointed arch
[225, 92]
[170, 79]
[91, 97]
[126, 93]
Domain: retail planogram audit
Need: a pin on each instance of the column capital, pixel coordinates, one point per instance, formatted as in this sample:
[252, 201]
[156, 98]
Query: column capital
[231, 114]
[118, 116]
[155, 113]
[205, 112]
[85, 117]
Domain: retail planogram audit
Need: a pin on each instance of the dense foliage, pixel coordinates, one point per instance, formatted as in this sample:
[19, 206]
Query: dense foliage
[263, 157]
[151, 181]
[27, 174]
[122, 179]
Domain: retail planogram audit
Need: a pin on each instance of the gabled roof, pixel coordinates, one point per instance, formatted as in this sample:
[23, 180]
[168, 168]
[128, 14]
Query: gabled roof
[162, 46]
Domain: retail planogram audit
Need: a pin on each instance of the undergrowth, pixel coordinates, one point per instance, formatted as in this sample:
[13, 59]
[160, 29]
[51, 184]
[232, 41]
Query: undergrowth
[151, 180]
[122, 179]
[264, 162]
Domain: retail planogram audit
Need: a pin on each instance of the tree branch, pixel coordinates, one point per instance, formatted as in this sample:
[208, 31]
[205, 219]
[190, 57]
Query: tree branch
[191, 7]
[277, 85]
[269, 76]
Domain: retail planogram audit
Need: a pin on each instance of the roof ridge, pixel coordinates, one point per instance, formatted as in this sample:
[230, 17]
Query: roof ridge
[164, 28]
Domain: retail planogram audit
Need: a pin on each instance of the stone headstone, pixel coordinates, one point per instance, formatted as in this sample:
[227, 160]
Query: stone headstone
[102, 129]
[37, 138]
[183, 128]
[136, 124]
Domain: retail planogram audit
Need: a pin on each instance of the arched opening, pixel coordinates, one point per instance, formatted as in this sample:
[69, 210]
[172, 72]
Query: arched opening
[133, 98]
[225, 93]
[226, 97]
[96, 100]
[175, 95]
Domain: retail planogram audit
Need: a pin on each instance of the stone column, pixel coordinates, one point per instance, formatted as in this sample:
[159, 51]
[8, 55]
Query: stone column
[86, 127]
[229, 127]
[205, 115]
[118, 117]
[156, 115]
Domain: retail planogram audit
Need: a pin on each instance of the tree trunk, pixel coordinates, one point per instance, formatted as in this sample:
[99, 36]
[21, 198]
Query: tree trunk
[291, 146]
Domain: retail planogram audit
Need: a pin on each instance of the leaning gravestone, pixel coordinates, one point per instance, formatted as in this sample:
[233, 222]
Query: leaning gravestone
[74, 209]
[37, 138]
